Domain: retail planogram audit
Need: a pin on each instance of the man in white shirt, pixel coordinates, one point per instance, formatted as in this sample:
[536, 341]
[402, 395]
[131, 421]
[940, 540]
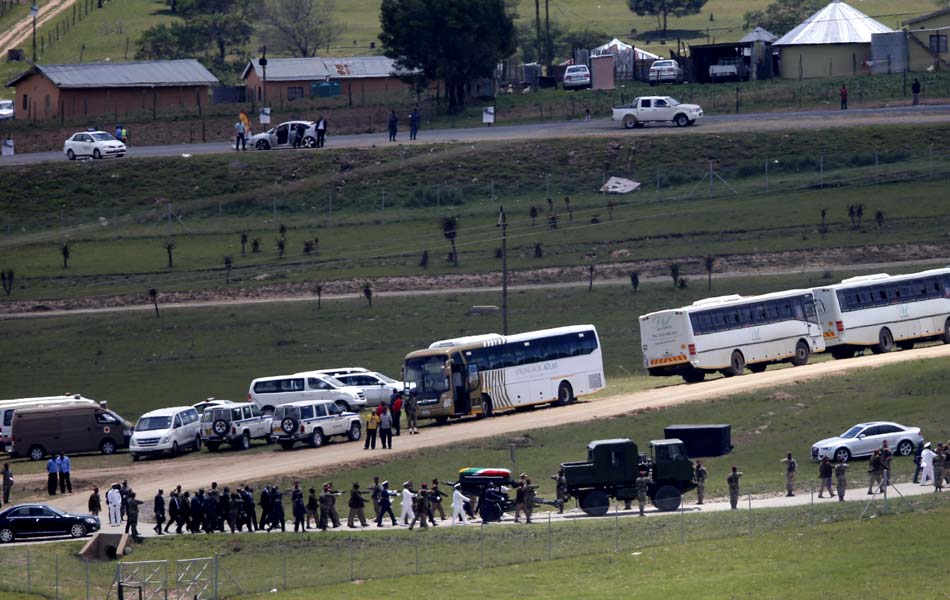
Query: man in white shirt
[927, 465]
[407, 515]
[458, 505]
[114, 501]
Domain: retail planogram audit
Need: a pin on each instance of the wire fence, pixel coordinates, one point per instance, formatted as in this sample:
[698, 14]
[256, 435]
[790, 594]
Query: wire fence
[278, 562]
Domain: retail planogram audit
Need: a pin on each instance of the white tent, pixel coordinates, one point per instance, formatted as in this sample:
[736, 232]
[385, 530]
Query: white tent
[620, 49]
[837, 23]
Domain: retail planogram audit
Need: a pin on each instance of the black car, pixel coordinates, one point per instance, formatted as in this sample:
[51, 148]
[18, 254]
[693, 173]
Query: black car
[34, 520]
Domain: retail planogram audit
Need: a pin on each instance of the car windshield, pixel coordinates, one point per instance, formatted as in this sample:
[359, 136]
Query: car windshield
[334, 381]
[103, 137]
[153, 423]
[427, 373]
[853, 432]
[672, 102]
[386, 379]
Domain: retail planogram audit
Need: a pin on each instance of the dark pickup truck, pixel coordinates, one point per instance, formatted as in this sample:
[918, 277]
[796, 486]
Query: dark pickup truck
[612, 468]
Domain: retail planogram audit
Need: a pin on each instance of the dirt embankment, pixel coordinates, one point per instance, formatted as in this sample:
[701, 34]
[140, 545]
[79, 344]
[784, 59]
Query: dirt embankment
[691, 267]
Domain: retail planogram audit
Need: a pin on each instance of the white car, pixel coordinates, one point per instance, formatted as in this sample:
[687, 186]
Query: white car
[376, 387]
[656, 109]
[6, 110]
[166, 431]
[235, 424]
[576, 77]
[282, 136]
[269, 392]
[864, 438]
[666, 71]
[312, 423]
[97, 144]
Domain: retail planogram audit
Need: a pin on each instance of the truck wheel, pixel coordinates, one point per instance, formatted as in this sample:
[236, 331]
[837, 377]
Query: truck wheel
[906, 344]
[667, 498]
[487, 408]
[343, 406]
[595, 503]
[802, 354]
[244, 442]
[736, 365]
[355, 432]
[316, 439]
[681, 120]
[288, 425]
[885, 342]
[945, 338]
[629, 121]
[565, 394]
[220, 427]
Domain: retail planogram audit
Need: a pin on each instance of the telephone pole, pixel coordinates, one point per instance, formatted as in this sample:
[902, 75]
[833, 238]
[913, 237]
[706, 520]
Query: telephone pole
[537, 28]
[547, 38]
[503, 223]
[34, 10]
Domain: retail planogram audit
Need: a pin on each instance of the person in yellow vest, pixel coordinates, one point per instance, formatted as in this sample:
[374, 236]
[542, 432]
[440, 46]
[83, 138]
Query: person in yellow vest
[372, 424]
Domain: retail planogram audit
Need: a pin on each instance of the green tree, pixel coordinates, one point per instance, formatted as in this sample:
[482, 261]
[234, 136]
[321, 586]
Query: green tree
[447, 40]
[300, 27]
[662, 9]
[782, 16]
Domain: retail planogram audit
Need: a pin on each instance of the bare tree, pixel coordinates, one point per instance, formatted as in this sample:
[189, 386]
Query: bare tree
[169, 247]
[243, 242]
[300, 27]
[65, 252]
[153, 294]
[319, 292]
[634, 281]
[7, 278]
[590, 277]
[710, 264]
[675, 273]
[368, 292]
[879, 219]
[228, 263]
[450, 229]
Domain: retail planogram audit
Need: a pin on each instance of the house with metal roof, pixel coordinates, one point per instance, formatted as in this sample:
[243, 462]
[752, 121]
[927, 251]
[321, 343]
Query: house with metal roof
[927, 41]
[833, 42]
[108, 88]
[359, 78]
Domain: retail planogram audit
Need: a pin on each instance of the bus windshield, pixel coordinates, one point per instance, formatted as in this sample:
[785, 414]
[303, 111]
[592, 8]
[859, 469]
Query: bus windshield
[428, 374]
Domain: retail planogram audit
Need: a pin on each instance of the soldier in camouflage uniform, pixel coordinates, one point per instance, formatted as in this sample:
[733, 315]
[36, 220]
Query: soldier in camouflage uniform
[875, 471]
[791, 467]
[642, 485]
[328, 512]
[561, 489]
[825, 470]
[841, 477]
[940, 464]
[733, 482]
[886, 456]
[435, 501]
[700, 475]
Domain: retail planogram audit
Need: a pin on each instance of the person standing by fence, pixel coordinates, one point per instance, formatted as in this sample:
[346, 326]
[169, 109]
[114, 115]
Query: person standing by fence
[52, 475]
[7, 476]
[560, 487]
[791, 467]
[413, 123]
[386, 429]
[733, 482]
[841, 478]
[642, 485]
[843, 93]
[824, 477]
[875, 470]
[393, 126]
[915, 90]
[321, 132]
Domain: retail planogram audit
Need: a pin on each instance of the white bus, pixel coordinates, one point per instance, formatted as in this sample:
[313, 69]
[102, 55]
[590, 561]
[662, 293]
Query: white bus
[879, 311]
[729, 333]
[499, 373]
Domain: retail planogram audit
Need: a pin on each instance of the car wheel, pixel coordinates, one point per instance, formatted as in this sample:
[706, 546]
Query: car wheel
[287, 444]
[197, 443]
[629, 121]
[736, 365]
[355, 432]
[96, 154]
[316, 439]
[565, 394]
[342, 405]
[6, 535]
[175, 450]
[905, 448]
[802, 354]
[842, 454]
[37, 452]
[262, 145]
[70, 154]
[681, 120]
[244, 442]
[694, 376]
[885, 342]
[288, 425]
[310, 142]
[78, 530]
[108, 446]
[758, 367]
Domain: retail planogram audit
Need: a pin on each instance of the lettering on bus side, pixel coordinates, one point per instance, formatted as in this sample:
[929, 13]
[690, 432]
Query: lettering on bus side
[536, 368]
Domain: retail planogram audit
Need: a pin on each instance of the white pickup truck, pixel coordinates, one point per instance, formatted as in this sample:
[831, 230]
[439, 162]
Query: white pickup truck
[727, 68]
[646, 109]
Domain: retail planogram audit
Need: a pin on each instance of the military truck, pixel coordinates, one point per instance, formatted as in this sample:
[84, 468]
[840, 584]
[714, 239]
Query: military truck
[612, 468]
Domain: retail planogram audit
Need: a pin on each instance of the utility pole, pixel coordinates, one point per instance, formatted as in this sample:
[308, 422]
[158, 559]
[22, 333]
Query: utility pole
[263, 63]
[537, 27]
[503, 223]
[34, 10]
[547, 38]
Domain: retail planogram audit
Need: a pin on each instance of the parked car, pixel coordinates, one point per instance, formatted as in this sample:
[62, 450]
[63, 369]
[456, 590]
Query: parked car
[166, 431]
[282, 136]
[656, 109]
[864, 438]
[36, 520]
[6, 110]
[71, 428]
[235, 424]
[97, 144]
[313, 422]
[666, 71]
[576, 77]
[728, 67]
[376, 387]
[269, 392]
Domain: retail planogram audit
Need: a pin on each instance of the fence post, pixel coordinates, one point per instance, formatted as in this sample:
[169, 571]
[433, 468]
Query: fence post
[86, 562]
[750, 513]
[766, 175]
[352, 561]
[214, 582]
[549, 535]
[29, 573]
[56, 572]
[683, 518]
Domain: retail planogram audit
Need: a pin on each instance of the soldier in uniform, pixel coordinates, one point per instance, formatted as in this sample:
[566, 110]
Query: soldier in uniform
[313, 508]
[841, 477]
[733, 482]
[875, 470]
[328, 512]
[385, 504]
[940, 465]
[458, 505]
[411, 421]
[265, 507]
[642, 485]
[299, 510]
[560, 486]
[421, 509]
[529, 494]
[825, 470]
[519, 498]
[377, 494]
[435, 501]
[356, 504]
[406, 513]
[886, 456]
[700, 474]
[791, 467]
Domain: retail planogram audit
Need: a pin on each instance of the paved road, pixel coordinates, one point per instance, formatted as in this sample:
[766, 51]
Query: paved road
[147, 477]
[555, 129]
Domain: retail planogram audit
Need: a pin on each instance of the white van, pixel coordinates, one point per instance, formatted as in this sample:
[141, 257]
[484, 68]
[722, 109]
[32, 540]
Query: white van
[7, 407]
[270, 392]
[166, 430]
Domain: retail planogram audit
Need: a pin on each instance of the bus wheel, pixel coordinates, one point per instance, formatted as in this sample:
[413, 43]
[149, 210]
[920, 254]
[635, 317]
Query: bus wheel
[945, 338]
[906, 344]
[885, 342]
[736, 365]
[758, 367]
[802, 353]
[842, 352]
[694, 376]
[487, 410]
[565, 394]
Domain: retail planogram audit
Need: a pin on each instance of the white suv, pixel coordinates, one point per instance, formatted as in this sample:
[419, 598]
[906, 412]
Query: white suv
[313, 422]
[235, 424]
[270, 392]
[166, 431]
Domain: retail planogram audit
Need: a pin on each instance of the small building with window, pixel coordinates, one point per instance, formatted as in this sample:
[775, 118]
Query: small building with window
[927, 47]
[108, 88]
[359, 79]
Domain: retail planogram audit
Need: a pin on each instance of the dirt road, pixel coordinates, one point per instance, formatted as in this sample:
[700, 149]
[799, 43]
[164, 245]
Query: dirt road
[20, 33]
[147, 477]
